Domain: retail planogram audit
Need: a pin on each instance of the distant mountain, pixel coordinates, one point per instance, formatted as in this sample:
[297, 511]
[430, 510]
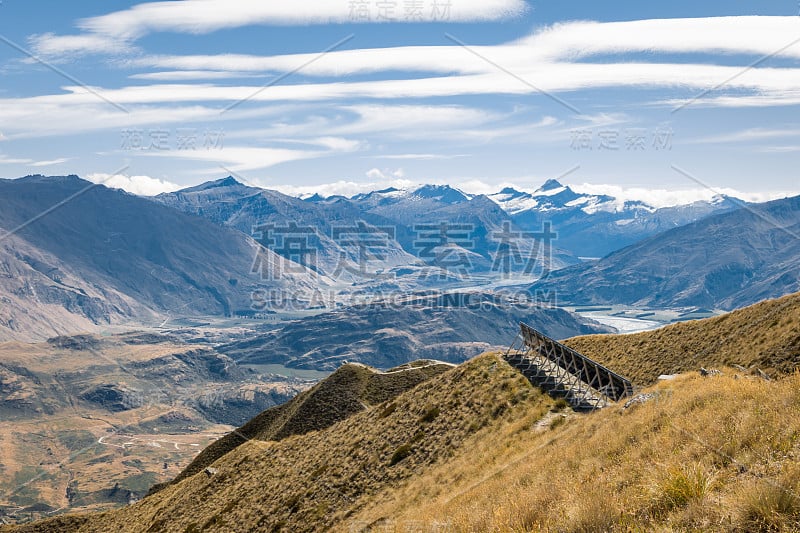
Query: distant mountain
[471, 229]
[450, 328]
[596, 225]
[434, 225]
[441, 226]
[321, 235]
[725, 261]
[76, 253]
[587, 225]
[43, 296]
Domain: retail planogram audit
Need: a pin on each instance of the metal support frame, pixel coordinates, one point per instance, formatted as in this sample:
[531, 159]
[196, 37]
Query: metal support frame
[585, 382]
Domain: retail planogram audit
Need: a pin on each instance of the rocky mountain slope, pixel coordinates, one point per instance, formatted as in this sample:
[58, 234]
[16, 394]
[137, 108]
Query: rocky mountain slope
[42, 296]
[477, 448]
[724, 261]
[449, 327]
[100, 254]
[325, 238]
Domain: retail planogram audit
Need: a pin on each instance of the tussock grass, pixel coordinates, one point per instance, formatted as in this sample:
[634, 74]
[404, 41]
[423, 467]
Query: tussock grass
[765, 335]
[707, 454]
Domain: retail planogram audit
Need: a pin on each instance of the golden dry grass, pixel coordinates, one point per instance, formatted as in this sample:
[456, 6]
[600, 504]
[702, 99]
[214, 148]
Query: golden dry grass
[313, 481]
[707, 454]
[719, 453]
[766, 335]
[349, 390]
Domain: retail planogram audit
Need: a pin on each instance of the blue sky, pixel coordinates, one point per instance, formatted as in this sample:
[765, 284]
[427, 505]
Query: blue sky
[633, 98]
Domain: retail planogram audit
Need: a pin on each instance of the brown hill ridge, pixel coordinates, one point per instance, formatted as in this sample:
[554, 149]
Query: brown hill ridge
[350, 390]
[313, 481]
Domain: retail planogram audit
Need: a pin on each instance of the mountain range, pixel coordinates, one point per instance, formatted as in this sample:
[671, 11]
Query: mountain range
[75, 256]
[724, 261]
[587, 225]
[435, 232]
[591, 225]
[402, 231]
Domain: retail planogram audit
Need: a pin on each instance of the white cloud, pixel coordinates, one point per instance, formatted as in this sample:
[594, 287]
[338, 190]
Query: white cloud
[547, 60]
[57, 46]
[789, 96]
[412, 120]
[337, 144]
[780, 149]
[240, 158]
[141, 185]
[51, 162]
[408, 122]
[668, 198]
[385, 175]
[479, 186]
[564, 42]
[206, 16]
[552, 78]
[244, 158]
[187, 75]
[5, 160]
[42, 116]
[751, 35]
[342, 188]
[748, 135]
[438, 59]
[421, 157]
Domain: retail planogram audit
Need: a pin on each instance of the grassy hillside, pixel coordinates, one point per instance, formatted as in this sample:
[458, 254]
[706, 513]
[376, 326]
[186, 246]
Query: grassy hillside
[705, 454]
[765, 335]
[314, 481]
[476, 448]
[349, 390]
